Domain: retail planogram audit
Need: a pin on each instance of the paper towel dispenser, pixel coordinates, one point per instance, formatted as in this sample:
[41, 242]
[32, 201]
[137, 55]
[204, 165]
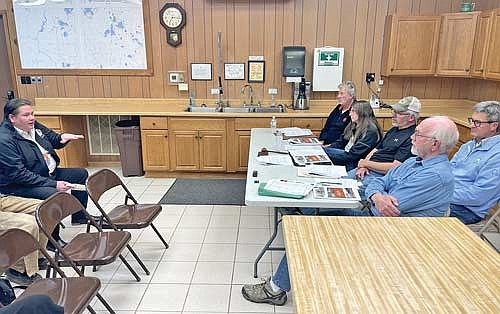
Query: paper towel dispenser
[294, 60]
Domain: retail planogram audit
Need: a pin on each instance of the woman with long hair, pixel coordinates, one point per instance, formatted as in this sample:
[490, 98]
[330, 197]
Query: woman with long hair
[359, 137]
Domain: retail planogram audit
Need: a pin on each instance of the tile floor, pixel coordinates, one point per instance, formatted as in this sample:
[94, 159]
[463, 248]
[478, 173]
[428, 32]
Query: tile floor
[211, 254]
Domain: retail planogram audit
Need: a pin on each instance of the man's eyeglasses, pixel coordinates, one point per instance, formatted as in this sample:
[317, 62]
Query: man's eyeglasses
[400, 113]
[417, 134]
[477, 123]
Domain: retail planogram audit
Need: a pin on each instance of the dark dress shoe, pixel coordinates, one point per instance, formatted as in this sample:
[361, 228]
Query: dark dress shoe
[52, 248]
[79, 221]
[42, 263]
[21, 278]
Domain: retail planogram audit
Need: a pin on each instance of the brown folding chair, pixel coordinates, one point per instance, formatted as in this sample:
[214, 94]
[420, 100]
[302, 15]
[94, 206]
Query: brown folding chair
[126, 216]
[73, 294]
[490, 231]
[85, 249]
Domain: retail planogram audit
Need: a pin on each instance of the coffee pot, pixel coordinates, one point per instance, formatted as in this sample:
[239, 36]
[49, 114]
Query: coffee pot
[301, 103]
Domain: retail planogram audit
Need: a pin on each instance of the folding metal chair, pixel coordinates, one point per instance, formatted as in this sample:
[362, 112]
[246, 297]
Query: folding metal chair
[73, 294]
[85, 249]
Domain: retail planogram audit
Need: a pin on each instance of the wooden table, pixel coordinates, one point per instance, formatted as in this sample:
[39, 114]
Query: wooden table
[389, 265]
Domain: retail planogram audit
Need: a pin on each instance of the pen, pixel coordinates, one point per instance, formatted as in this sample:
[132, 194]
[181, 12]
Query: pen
[317, 174]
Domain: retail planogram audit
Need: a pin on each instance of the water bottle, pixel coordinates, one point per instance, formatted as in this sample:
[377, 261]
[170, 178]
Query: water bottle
[273, 125]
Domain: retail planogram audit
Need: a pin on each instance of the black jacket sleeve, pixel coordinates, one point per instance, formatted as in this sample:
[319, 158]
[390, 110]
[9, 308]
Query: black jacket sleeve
[14, 169]
[360, 149]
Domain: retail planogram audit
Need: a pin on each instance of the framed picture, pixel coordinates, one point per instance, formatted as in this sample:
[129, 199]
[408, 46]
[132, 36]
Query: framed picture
[234, 71]
[201, 71]
[256, 71]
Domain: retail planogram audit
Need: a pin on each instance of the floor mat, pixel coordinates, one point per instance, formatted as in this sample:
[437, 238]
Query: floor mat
[206, 192]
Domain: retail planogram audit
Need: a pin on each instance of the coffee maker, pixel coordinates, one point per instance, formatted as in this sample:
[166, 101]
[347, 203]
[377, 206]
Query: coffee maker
[301, 94]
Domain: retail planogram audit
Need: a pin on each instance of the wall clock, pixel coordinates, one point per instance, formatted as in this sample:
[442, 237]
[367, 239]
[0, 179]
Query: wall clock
[173, 18]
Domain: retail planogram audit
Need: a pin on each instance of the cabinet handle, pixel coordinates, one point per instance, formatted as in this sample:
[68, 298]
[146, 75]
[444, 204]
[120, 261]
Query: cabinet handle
[467, 70]
[166, 136]
[154, 123]
[308, 126]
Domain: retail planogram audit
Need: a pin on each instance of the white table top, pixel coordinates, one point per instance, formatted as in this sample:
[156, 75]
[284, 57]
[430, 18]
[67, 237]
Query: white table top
[263, 138]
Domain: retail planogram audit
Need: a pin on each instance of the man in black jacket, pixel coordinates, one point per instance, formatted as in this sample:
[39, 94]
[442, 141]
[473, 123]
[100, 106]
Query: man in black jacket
[28, 161]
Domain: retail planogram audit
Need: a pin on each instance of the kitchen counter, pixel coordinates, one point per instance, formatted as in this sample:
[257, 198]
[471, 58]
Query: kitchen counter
[457, 109]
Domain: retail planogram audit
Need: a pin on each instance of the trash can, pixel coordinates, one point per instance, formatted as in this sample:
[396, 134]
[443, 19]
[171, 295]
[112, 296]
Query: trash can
[128, 136]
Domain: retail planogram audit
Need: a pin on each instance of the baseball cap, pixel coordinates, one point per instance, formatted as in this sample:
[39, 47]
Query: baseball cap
[410, 103]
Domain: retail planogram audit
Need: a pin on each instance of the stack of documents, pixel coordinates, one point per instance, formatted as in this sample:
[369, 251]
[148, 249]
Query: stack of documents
[318, 171]
[304, 141]
[277, 159]
[285, 188]
[337, 189]
[294, 132]
[308, 155]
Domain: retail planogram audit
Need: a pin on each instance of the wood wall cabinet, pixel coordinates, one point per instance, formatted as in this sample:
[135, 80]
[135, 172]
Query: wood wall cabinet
[314, 124]
[456, 43]
[481, 44]
[239, 145]
[154, 141]
[410, 45]
[197, 144]
[492, 69]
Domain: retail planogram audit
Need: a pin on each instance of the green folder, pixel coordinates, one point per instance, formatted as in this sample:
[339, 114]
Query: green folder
[263, 192]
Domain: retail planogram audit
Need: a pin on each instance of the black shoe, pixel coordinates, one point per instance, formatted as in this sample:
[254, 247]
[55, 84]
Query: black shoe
[52, 248]
[79, 221]
[42, 263]
[21, 278]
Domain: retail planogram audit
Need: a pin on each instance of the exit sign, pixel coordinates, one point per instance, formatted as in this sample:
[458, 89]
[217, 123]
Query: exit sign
[328, 58]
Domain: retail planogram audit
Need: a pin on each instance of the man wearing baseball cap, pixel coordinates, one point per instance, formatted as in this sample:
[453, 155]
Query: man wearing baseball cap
[395, 147]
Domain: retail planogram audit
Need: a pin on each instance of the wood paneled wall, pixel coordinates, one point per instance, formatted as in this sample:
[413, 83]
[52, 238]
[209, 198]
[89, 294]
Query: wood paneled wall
[263, 27]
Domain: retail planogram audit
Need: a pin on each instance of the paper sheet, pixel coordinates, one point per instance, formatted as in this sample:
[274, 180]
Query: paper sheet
[319, 171]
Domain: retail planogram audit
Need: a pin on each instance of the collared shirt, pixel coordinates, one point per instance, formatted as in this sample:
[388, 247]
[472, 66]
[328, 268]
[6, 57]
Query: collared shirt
[421, 187]
[49, 160]
[476, 167]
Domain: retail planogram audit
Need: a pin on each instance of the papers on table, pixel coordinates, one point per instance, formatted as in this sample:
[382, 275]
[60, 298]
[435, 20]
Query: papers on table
[308, 155]
[277, 159]
[338, 189]
[304, 141]
[288, 187]
[294, 131]
[319, 171]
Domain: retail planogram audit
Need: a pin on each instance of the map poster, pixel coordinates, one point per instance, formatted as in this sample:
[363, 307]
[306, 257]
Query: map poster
[80, 34]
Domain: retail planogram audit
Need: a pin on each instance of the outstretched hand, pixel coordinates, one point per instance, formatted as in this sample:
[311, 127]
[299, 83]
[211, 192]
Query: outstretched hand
[65, 137]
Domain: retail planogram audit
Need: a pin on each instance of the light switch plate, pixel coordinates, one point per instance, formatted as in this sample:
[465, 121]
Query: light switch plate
[272, 91]
[214, 91]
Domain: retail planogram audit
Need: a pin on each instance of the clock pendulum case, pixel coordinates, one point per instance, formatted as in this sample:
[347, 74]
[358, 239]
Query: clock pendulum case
[173, 18]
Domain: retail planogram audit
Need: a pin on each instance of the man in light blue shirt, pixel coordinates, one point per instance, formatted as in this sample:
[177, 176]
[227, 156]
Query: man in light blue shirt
[420, 186]
[476, 166]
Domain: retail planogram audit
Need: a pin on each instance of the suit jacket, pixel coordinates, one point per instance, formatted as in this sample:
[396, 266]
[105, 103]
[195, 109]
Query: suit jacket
[21, 161]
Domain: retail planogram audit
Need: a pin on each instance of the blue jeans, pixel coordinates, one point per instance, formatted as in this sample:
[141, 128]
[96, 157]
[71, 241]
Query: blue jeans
[33, 304]
[366, 180]
[465, 215]
[330, 151]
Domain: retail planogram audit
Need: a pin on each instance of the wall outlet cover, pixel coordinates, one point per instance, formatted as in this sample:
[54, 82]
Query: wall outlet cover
[214, 91]
[272, 91]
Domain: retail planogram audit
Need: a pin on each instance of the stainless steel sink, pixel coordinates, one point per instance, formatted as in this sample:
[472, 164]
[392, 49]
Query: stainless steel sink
[268, 109]
[236, 109]
[202, 109]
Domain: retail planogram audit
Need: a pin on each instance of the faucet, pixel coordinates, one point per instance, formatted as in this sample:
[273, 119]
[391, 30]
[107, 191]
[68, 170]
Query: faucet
[251, 93]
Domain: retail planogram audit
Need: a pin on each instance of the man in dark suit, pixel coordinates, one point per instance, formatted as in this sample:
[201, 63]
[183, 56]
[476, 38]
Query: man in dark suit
[28, 161]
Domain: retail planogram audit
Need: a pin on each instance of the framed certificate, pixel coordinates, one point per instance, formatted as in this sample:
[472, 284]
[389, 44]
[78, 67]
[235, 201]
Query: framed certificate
[256, 71]
[201, 71]
[234, 71]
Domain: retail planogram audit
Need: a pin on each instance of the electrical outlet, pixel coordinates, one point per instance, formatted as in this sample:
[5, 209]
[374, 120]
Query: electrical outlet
[370, 77]
[38, 79]
[380, 82]
[272, 91]
[214, 91]
[33, 80]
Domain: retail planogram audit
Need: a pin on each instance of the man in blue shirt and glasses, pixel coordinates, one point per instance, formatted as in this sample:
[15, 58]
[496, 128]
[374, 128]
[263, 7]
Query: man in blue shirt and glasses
[476, 166]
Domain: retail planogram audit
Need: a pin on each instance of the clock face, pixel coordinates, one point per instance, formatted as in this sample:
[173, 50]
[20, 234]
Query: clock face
[172, 17]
